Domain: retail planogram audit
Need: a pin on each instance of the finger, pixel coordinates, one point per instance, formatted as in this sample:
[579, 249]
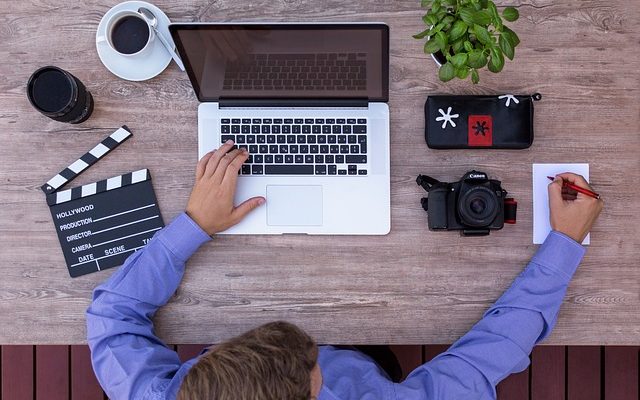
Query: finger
[212, 165]
[576, 179]
[245, 208]
[223, 164]
[231, 175]
[202, 165]
[555, 192]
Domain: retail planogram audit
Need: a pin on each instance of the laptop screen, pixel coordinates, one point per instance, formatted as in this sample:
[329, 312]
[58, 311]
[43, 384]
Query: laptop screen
[285, 61]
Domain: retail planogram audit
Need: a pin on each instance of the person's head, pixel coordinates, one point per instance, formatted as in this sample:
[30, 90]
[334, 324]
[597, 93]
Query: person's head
[274, 361]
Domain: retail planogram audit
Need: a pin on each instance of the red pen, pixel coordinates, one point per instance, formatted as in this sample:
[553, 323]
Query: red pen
[577, 188]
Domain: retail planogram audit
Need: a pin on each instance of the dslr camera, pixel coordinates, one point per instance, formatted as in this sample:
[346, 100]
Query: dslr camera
[475, 205]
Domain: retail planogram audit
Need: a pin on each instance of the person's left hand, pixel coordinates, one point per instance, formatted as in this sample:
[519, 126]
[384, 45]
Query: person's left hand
[211, 202]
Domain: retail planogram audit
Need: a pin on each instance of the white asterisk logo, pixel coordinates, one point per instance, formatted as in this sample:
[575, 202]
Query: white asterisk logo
[447, 117]
[509, 97]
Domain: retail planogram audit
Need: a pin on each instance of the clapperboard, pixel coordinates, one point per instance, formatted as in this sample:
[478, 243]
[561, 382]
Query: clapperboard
[100, 224]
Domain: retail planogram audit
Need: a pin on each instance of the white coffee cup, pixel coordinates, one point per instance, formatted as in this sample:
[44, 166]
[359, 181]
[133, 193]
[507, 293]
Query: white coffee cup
[112, 23]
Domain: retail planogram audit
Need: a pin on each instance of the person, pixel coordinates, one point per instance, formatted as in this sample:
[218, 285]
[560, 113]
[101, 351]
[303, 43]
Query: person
[279, 360]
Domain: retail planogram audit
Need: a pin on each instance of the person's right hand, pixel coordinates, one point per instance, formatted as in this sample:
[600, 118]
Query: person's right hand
[571, 212]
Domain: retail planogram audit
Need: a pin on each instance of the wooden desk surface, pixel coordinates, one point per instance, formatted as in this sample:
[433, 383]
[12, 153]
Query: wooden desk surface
[412, 286]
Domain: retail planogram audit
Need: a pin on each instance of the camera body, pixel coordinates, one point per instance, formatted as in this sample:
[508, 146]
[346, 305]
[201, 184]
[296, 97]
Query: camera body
[475, 205]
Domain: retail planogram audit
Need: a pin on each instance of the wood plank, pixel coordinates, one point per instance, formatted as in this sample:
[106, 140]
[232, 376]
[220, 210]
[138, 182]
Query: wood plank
[621, 373]
[17, 372]
[189, 351]
[430, 351]
[548, 373]
[514, 387]
[52, 372]
[84, 385]
[409, 357]
[583, 372]
[412, 286]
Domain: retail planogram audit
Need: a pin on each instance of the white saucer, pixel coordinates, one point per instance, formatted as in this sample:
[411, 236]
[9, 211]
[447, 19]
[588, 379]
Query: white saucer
[135, 68]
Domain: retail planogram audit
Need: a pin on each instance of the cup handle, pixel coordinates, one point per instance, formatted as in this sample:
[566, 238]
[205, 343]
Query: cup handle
[101, 39]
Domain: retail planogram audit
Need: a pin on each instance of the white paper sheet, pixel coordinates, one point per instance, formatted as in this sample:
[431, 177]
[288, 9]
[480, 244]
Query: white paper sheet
[541, 225]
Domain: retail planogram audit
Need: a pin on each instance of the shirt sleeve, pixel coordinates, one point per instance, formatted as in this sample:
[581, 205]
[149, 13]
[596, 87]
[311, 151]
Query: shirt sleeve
[128, 358]
[500, 343]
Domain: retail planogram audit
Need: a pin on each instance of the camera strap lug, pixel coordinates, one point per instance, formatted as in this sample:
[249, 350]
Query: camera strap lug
[426, 182]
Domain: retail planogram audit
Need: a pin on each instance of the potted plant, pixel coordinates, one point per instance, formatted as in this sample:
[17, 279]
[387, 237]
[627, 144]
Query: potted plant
[464, 36]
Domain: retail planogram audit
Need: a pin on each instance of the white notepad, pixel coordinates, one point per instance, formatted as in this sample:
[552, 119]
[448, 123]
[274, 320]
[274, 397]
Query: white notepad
[541, 225]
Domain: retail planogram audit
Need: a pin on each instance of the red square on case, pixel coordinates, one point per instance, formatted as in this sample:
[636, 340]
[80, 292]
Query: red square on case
[480, 130]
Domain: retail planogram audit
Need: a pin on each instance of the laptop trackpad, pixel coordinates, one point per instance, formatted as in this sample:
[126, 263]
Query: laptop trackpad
[289, 205]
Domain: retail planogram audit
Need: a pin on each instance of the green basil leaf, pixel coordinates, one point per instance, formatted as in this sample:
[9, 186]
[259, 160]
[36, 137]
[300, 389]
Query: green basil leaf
[496, 62]
[446, 72]
[484, 3]
[442, 42]
[510, 14]
[462, 73]
[467, 15]
[475, 78]
[436, 6]
[459, 29]
[425, 3]
[477, 59]
[511, 36]
[482, 18]
[430, 19]
[448, 19]
[493, 11]
[431, 46]
[422, 34]
[506, 47]
[458, 46]
[459, 60]
[482, 34]
[468, 46]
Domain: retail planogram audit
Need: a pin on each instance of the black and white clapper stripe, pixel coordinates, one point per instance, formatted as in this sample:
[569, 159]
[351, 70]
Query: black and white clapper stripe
[98, 187]
[84, 162]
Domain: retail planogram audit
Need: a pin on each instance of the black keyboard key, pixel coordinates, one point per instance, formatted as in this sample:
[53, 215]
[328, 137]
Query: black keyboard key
[362, 121]
[326, 128]
[363, 148]
[291, 138]
[225, 129]
[332, 139]
[288, 169]
[301, 139]
[304, 149]
[279, 160]
[266, 128]
[295, 129]
[288, 159]
[311, 139]
[298, 121]
[235, 128]
[308, 121]
[344, 149]
[256, 121]
[328, 159]
[346, 129]
[299, 158]
[342, 138]
[225, 121]
[256, 170]
[255, 129]
[321, 139]
[235, 121]
[306, 128]
[293, 149]
[340, 121]
[266, 120]
[240, 139]
[356, 159]
[308, 159]
[319, 121]
[253, 148]
[268, 159]
[250, 159]
[321, 169]
[251, 139]
[246, 128]
[275, 129]
[324, 149]
[339, 159]
[316, 129]
[271, 138]
[354, 149]
[273, 149]
[284, 149]
[342, 172]
[351, 121]
[352, 139]
[288, 121]
[330, 121]
[319, 159]
[352, 167]
[362, 139]
[359, 129]
[244, 147]
[246, 169]
[332, 169]
[227, 137]
[261, 139]
[281, 139]
[258, 159]
[337, 129]
[362, 172]
[246, 120]
[286, 128]
[334, 149]
[313, 149]
[264, 149]
[277, 120]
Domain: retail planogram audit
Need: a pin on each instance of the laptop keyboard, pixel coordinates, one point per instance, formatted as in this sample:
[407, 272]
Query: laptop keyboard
[286, 146]
[323, 71]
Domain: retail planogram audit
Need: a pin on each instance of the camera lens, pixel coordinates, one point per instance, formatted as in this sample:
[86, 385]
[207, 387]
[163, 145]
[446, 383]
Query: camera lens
[478, 206]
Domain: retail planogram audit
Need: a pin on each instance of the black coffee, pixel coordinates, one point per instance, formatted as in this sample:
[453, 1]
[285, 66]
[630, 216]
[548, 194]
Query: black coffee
[129, 34]
[52, 90]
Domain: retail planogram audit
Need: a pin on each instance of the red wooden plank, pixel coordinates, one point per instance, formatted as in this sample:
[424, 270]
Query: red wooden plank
[84, 385]
[17, 372]
[409, 357]
[52, 372]
[548, 373]
[583, 373]
[621, 372]
[432, 350]
[189, 351]
[514, 387]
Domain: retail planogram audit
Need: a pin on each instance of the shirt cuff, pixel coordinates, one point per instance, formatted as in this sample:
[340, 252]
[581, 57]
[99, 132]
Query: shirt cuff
[560, 253]
[183, 237]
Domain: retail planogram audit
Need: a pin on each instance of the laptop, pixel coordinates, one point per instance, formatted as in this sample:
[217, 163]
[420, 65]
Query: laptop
[309, 103]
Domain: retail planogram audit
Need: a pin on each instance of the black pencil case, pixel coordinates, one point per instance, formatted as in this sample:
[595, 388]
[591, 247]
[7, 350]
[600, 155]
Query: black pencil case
[493, 122]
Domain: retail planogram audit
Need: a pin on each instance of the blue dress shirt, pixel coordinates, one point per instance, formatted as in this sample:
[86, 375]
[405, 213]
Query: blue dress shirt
[131, 362]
